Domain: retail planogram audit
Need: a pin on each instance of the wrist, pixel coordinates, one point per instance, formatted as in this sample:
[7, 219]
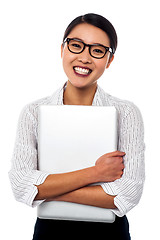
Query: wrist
[95, 174]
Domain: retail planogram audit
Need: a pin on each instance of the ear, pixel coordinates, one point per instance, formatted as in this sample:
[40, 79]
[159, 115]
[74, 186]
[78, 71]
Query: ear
[109, 62]
[61, 50]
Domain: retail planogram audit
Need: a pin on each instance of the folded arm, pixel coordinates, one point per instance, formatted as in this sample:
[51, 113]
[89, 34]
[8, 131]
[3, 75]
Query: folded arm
[90, 195]
[73, 186]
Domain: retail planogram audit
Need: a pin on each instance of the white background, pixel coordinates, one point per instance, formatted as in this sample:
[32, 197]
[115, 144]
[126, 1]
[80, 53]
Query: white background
[30, 68]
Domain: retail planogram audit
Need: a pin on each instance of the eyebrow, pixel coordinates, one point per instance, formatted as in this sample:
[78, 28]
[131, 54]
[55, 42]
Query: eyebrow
[90, 43]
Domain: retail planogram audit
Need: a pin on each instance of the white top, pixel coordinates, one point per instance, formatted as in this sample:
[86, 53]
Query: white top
[128, 189]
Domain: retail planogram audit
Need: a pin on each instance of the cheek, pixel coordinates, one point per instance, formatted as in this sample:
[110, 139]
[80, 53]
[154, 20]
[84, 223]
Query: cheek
[67, 58]
[101, 66]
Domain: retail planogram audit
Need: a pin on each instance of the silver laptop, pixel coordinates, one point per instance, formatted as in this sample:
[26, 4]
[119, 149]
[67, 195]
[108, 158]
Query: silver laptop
[72, 138]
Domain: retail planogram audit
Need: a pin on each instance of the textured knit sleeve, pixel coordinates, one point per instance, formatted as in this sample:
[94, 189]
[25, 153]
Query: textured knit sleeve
[24, 174]
[128, 189]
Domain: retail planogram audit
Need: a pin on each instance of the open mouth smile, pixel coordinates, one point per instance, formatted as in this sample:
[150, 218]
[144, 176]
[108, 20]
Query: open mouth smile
[83, 71]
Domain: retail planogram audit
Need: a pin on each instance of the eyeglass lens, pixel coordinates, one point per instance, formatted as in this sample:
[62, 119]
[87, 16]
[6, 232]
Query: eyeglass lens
[96, 51]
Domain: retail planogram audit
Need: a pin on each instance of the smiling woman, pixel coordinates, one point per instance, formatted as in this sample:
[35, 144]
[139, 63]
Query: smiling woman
[87, 50]
[92, 59]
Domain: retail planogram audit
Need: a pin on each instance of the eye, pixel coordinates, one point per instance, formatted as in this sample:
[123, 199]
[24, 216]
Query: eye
[98, 51]
[76, 45]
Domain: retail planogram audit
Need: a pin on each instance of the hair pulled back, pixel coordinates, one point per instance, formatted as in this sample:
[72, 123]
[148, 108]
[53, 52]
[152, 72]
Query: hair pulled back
[97, 21]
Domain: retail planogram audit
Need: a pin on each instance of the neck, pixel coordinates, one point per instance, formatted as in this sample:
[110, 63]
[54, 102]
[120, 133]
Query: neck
[79, 96]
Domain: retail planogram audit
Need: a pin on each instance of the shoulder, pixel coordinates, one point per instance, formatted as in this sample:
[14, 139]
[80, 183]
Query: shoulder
[125, 108]
[31, 109]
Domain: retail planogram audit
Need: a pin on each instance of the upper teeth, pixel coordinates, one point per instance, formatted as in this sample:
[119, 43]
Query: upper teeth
[81, 70]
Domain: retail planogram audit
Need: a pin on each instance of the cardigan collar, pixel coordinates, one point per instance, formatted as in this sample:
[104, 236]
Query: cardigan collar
[57, 97]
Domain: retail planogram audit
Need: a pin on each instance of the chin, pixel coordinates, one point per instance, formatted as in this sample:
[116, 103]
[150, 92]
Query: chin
[82, 84]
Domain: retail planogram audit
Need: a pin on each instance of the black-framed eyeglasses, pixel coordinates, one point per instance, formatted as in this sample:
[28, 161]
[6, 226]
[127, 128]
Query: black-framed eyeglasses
[96, 50]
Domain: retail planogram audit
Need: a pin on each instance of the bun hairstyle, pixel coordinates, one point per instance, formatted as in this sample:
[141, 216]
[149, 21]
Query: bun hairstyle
[97, 21]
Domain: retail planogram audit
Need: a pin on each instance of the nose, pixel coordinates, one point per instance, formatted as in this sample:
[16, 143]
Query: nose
[85, 56]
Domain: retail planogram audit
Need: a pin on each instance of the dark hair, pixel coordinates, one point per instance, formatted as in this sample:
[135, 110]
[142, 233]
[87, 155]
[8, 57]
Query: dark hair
[97, 21]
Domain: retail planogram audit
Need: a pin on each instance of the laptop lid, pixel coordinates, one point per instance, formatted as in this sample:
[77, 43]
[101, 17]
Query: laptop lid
[72, 138]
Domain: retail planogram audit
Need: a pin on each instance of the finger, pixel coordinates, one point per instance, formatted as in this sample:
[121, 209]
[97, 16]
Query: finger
[115, 154]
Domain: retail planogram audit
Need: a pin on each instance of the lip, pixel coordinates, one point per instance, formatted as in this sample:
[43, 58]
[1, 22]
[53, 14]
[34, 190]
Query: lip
[83, 74]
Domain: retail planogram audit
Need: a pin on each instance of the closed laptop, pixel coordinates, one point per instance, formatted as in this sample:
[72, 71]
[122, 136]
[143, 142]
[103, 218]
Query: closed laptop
[72, 138]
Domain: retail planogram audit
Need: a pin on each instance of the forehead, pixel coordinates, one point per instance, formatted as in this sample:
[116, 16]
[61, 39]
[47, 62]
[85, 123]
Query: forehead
[89, 34]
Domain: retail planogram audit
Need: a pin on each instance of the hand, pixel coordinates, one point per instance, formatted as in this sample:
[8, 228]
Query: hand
[110, 166]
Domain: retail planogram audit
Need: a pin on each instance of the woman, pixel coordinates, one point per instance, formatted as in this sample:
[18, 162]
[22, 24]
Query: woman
[88, 49]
